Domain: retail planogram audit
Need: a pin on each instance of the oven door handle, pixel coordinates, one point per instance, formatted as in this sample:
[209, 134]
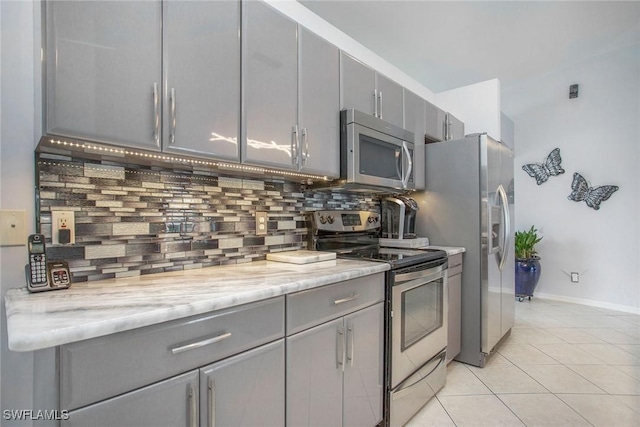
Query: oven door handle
[426, 274]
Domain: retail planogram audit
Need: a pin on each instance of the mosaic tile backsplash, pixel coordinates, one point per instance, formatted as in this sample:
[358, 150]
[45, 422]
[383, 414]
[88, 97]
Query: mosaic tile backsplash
[133, 220]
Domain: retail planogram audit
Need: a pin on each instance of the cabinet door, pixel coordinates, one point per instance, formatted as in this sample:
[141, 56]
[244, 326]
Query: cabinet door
[363, 374]
[435, 124]
[315, 360]
[245, 390]
[389, 100]
[202, 75]
[456, 127]
[415, 121]
[171, 403]
[357, 85]
[270, 67]
[103, 70]
[319, 95]
[454, 316]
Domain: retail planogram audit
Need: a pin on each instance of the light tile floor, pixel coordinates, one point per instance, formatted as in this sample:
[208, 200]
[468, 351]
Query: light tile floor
[563, 365]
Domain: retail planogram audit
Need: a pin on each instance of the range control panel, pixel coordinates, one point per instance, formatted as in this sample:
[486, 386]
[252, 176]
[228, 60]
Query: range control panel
[344, 221]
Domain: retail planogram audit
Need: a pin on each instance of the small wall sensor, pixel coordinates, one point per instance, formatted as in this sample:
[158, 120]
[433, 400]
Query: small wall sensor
[573, 91]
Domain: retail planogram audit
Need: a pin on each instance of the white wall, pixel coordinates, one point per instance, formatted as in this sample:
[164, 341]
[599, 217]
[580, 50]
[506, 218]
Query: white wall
[17, 143]
[599, 136]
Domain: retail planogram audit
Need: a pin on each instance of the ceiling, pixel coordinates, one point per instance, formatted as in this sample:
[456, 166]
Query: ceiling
[448, 44]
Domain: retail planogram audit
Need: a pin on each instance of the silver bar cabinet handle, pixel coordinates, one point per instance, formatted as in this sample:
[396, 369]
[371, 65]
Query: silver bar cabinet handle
[294, 145]
[172, 135]
[375, 102]
[343, 300]
[340, 348]
[305, 142]
[212, 403]
[199, 344]
[351, 344]
[380, 107]
[156, 112]
[193, 408]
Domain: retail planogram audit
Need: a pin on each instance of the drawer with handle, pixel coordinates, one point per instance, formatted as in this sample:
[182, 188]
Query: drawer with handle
[99, 368]
[315, 306]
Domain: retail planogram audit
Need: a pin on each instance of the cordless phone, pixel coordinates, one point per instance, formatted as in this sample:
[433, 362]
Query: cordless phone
[43, 275]
[37, 276]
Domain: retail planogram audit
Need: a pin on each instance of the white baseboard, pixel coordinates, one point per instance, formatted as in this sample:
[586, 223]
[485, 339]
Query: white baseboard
[592, 303]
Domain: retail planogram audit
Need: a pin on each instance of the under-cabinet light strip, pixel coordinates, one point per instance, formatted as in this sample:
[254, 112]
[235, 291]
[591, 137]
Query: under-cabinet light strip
[172, 159]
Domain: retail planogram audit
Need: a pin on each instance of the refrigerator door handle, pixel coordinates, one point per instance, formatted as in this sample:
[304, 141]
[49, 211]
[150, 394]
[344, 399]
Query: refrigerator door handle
[506, 226]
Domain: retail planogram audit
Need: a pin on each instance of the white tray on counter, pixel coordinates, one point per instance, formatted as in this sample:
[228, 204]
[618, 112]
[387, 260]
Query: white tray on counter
[418, 242]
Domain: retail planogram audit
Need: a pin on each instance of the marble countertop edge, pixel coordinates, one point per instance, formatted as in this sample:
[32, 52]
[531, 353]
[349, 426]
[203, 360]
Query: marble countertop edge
[93, 309]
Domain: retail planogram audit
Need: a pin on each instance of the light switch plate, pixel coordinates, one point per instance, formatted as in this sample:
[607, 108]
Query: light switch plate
[13, 227]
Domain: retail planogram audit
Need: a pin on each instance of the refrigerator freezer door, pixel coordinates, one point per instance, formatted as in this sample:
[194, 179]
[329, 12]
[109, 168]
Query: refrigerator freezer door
[508, 287]
[491, 296]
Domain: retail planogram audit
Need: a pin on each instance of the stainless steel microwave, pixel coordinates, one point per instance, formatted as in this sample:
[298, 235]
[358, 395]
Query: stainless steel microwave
[375, 155]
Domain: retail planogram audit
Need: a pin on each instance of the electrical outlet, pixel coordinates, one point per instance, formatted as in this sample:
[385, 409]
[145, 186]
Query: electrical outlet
[63, 220]
[261, 223]
[575, 277]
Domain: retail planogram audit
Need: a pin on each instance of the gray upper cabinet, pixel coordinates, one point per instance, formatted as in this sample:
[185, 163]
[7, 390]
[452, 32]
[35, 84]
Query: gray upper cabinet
[435, 123]
[291, 94]
[245, 390]
[442, 126]
[103, 71]
[319, 120]
[364, 89]
[415, 121]
[455, 127]
[270, 76]
[390, 100]
[202, 78]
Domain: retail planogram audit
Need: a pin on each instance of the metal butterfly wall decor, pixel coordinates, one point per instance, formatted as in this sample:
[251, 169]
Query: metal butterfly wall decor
[542, 171]
[592, 196]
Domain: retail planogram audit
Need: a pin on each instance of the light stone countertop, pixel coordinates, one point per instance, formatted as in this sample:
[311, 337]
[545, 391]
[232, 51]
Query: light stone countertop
[91, 309]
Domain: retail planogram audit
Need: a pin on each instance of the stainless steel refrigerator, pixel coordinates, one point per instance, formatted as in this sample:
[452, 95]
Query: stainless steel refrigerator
[469, 201]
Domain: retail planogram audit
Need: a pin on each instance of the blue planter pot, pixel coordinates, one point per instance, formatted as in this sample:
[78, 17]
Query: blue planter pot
[527, 276]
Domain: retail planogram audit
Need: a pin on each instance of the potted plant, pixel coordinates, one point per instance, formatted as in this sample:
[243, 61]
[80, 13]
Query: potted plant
[527, 262]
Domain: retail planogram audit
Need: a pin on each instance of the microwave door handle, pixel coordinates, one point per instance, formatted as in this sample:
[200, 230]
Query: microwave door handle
[405, 179]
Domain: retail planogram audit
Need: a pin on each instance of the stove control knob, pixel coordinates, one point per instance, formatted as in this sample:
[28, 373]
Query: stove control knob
[330, 219]
[323, 220]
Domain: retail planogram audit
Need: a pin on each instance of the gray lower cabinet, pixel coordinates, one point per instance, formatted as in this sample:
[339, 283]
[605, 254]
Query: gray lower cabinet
[104, 377]
[245, 390]
[201, 57]
[414, 121]
[170, 403]
[364, 89]
[335, 364]
[455, 306]
[104, 71]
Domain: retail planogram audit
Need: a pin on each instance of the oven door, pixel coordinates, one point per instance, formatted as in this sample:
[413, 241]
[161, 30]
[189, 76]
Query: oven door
[418, 317]
[375, 158]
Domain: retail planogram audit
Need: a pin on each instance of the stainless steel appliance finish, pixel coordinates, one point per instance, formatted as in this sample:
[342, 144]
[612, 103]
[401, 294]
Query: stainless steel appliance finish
[375, 155]
[469, 202]
[415, 307]
[399, 217]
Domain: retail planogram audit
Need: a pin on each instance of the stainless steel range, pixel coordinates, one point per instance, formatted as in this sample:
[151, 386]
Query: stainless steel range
[416, 306]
